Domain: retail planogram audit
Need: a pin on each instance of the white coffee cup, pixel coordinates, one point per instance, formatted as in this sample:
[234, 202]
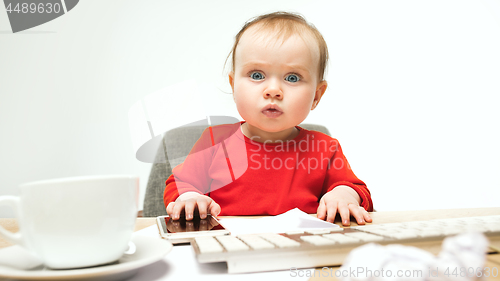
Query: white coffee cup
[75, 222]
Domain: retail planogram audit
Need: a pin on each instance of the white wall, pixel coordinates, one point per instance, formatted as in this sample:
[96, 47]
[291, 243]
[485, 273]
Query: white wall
[413, 89]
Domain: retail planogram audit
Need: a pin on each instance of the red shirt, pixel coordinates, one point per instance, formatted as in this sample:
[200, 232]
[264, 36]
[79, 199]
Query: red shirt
[246, 177]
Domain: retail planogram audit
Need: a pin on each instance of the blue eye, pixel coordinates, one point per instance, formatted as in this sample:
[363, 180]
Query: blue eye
[257, 76]
[292, 78]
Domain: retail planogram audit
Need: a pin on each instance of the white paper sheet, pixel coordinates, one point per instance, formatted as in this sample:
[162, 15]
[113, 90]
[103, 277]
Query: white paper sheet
[292, 220]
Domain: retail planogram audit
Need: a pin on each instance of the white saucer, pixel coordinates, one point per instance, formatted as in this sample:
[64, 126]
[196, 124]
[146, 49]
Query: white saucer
[148, 251]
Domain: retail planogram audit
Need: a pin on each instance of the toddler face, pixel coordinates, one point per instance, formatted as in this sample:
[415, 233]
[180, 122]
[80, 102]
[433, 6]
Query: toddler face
[275, 84]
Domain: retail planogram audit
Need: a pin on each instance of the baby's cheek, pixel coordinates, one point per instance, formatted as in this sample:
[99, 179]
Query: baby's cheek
[302, 108]
[244, 110]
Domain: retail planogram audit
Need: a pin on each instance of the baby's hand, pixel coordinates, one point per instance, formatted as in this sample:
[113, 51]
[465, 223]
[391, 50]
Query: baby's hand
[345, 201]
[191, 201]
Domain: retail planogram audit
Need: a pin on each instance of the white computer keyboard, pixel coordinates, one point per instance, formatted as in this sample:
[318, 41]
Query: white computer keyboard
[326, 247]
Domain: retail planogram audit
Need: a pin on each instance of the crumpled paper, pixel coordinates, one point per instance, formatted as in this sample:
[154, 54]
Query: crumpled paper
[462, 258]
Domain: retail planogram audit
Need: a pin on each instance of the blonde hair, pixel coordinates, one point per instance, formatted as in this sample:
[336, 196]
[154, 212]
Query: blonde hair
[285, 24]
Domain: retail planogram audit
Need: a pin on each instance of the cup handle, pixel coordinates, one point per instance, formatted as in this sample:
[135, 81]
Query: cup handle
[131, 248]
[13, 202]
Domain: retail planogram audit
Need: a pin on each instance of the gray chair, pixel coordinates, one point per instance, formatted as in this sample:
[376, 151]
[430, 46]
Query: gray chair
[181, 140]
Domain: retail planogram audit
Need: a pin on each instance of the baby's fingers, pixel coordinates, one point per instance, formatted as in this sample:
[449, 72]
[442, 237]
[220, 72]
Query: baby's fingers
[357, 213]
[176, 209]
[202, 207]
[321, 212]
[170, 208]
[214, 208]
[367, 216]
[343, 210]
[189, 208]
[332, 207]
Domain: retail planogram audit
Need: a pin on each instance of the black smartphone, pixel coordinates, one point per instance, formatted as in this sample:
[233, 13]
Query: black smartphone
[182, 230]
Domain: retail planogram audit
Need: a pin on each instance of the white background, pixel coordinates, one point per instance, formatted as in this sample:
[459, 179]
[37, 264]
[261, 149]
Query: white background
[413, 91]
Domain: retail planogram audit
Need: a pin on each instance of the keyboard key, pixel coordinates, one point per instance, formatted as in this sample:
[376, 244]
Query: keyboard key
[365, 237]
[256, 242]
[317, 240]
[232, 244]
[404, 235]
[381, 232]
[318, 231]
[279, 240]
[341, 238]
[208, 245]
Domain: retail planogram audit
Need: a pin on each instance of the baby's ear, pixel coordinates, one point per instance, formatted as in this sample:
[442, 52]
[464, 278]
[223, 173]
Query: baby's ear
[231, 80]
[315, 103]
[320, 91]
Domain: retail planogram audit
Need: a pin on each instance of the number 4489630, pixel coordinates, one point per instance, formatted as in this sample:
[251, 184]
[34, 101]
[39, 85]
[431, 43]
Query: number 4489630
[33, 8]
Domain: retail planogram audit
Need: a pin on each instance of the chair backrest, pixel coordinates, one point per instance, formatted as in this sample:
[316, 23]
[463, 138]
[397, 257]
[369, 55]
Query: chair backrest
[181, 140]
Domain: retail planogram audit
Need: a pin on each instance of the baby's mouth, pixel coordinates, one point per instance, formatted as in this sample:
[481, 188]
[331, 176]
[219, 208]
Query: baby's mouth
[272, 111]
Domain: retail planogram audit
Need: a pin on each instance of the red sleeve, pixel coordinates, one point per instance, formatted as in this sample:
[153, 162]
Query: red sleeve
[172, 192]
[340, 173]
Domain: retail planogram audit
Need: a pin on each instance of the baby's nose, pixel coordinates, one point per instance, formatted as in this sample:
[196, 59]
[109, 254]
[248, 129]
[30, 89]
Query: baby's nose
[273, 90]
[273, 95]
